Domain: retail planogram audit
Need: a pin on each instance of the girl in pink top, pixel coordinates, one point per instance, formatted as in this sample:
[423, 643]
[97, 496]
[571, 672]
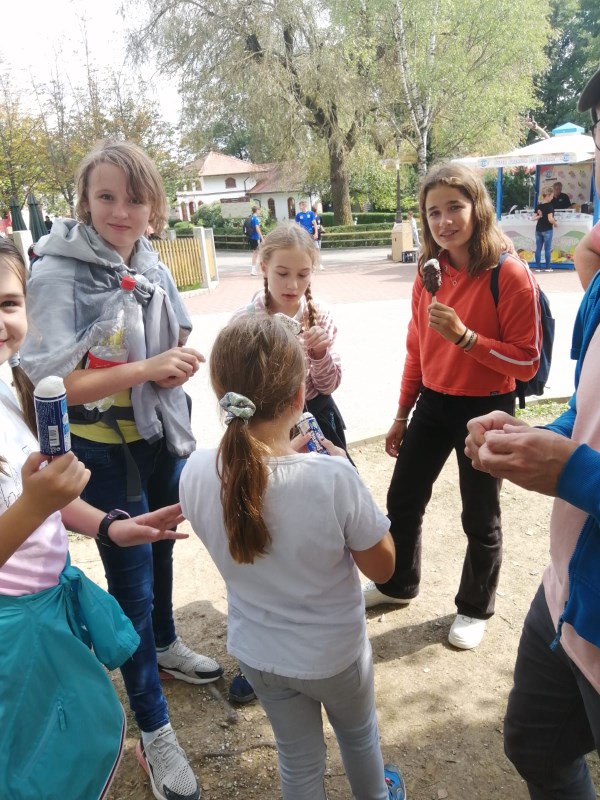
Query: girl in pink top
[288, 259]
[61, 704]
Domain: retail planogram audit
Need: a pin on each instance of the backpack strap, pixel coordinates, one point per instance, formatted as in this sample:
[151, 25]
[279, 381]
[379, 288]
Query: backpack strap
[494, 278]
[495, 289]
[110, 417]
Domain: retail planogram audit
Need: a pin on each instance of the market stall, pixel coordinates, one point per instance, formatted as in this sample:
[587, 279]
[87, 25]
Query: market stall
[566, 157]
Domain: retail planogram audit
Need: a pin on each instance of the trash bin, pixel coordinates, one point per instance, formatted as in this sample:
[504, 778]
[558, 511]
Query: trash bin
[397, 249]
[402, 241]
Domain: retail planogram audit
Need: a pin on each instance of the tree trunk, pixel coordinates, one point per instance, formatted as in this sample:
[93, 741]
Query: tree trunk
[340, 184]
[422, 155]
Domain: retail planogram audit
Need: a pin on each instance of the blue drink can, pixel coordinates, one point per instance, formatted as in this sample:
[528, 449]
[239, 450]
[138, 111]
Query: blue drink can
[52, 417]
[308, 424]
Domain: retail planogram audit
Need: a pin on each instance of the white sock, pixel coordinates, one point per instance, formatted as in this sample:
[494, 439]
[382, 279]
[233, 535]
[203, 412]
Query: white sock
[149, 737]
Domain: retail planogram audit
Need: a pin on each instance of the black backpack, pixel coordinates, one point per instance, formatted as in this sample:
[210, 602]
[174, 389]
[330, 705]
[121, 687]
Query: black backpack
[536, 384]
[248, 227]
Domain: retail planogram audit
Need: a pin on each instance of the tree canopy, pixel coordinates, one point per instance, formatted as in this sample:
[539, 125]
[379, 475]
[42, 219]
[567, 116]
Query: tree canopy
[447, 76]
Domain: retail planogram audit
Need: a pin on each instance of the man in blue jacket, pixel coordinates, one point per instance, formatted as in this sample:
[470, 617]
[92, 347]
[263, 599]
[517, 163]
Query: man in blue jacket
[553, 715]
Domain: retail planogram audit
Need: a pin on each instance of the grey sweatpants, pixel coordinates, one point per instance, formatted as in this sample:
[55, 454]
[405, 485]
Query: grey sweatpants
[293, 707]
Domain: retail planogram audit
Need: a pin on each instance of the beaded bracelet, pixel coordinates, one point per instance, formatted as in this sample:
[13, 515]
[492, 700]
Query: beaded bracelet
[462, 337]
[470, 341]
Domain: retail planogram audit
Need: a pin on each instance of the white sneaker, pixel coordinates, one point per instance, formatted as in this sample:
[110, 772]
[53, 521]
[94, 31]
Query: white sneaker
[466, 632]
[373, 597]
[184, 664]
[167, 766]
[254, 273]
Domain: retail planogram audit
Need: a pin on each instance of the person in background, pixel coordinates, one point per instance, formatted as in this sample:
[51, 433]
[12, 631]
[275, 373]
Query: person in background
[463, 353]
[48, 223]
[553, 715]
[414, 230]
[287, 530]
[255, 237]
[560, 200]
[320, 231]
[307, 220]
[544, 227]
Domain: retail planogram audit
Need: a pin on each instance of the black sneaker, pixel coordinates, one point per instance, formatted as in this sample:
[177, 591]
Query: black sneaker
[240, 690]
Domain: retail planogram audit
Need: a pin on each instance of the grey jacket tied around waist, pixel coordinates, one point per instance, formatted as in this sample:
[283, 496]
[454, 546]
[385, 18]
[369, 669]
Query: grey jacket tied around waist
[68, 307]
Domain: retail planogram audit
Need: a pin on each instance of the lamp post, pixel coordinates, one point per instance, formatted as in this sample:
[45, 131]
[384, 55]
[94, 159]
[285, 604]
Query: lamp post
[398, 206]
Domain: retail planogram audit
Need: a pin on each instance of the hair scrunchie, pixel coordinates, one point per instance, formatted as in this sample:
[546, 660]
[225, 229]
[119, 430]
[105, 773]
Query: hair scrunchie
[14, 360]
[237, 407]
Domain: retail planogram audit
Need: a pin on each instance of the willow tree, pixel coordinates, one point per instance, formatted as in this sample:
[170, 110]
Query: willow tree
[292, 63]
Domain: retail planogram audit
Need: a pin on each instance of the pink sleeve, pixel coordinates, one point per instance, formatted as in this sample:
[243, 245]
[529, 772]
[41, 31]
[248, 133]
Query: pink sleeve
[325, 374]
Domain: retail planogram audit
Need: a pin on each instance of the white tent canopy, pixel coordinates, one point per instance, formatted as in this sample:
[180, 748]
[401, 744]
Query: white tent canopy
[564, 148]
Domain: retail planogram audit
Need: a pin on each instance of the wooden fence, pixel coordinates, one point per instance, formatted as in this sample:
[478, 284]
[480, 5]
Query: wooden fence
[192, 261]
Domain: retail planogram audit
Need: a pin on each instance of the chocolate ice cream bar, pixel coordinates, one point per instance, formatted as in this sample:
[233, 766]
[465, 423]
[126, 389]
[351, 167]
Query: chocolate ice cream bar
[432, 276]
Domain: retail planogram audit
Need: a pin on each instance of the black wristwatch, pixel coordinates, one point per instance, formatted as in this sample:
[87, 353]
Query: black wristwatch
[113, 515]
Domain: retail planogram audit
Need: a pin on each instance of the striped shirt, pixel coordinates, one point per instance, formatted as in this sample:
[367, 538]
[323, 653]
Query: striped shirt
[324, 375]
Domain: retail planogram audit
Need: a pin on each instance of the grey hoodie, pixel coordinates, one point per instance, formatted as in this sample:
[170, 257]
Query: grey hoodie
[70, 308]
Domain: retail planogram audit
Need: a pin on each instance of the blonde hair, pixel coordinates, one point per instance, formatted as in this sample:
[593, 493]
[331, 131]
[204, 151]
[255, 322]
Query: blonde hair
[487, 241]
[289, 235]
[12, 261]
[143, 179]
[258, 357]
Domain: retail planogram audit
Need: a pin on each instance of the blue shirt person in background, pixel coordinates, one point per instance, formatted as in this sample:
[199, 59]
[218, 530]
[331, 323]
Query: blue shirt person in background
[307, 219]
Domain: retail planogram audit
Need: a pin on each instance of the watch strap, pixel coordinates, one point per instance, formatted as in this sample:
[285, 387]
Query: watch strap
[106, 522]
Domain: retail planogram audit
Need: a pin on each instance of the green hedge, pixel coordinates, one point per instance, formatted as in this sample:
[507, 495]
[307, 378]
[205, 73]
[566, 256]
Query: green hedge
[333, 239]
[366, 218]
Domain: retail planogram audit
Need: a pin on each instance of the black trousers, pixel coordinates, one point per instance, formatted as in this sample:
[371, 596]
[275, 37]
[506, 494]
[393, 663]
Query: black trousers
[553, 715]
[438, 426]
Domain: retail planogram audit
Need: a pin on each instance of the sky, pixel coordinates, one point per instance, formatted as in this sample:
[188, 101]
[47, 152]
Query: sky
[36, 35]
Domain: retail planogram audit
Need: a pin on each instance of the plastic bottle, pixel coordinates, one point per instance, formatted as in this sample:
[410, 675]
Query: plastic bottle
[122, 315]
[50, 401]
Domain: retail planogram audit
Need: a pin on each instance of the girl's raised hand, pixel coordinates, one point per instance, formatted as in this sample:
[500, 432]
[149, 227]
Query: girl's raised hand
[445, 321]
[317, 342]
[151, 527]
[174, 367]
[54, 486]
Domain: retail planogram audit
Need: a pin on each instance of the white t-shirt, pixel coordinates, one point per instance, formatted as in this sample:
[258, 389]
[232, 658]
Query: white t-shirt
[38, 562]
[297, 611]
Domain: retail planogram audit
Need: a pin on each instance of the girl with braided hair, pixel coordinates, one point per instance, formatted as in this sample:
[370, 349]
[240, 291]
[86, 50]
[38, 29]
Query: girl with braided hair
[288, 258]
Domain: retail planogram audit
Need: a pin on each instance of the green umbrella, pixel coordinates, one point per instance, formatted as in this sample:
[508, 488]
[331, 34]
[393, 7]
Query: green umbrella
[37, 226]
[18, 223]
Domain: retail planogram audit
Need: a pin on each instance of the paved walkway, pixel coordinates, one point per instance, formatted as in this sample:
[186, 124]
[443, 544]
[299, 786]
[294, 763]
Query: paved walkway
[370, 300]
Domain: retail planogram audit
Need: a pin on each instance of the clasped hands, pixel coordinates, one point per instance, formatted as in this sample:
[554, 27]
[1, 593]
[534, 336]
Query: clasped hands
[507, 447]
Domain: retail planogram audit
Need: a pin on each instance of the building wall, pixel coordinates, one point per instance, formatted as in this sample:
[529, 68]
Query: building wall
[211, 189]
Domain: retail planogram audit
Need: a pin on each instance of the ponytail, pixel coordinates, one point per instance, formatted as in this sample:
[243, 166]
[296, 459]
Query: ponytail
[242, 492]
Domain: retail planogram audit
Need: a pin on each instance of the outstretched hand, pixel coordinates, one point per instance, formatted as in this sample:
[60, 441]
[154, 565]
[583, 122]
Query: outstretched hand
[153, 526]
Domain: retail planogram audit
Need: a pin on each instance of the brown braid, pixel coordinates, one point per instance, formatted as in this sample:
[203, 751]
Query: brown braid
[267, 294]
[310, 307]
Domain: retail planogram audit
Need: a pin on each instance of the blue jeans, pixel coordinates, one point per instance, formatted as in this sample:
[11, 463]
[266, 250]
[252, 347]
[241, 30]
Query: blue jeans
[293, 707]
[140, 577]
[543, 239]
[553, 715]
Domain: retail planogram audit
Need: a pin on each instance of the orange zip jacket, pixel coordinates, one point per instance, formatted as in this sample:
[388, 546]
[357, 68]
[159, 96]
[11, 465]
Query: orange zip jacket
[508, 338]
